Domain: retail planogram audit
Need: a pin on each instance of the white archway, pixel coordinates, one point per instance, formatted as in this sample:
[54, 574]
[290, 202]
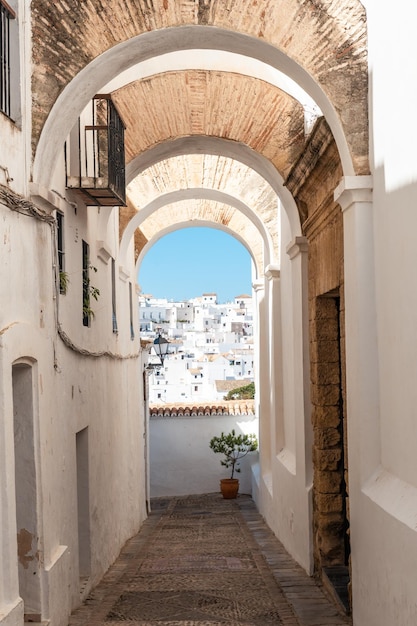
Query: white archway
[220, 147]
[120, 58]
[191, 194]
[196, 223]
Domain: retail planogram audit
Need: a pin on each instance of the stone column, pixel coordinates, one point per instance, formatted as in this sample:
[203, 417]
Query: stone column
[354, 194]
[297, 251]
[277, 441]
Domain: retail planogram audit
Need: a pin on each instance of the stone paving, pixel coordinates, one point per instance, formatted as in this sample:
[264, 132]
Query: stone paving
[206, 561]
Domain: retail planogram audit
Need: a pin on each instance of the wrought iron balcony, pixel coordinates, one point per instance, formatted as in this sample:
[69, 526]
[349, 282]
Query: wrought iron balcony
[95, 155]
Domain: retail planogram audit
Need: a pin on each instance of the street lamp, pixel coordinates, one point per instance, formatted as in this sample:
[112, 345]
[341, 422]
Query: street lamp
[160, 346]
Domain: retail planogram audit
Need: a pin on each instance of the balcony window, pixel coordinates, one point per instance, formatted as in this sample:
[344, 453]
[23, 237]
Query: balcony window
[7, 15]
[95, 155]
[63, 282]
[113, 296]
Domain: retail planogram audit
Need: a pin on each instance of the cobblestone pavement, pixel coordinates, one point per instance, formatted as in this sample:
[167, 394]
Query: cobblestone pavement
[206, 561]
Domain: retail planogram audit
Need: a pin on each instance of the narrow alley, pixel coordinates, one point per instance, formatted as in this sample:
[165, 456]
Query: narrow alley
[203, 560]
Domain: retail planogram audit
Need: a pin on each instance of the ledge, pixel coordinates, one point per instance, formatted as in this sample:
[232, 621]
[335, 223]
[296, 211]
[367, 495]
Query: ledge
[395, 496]
[243, 407]
[47, 199]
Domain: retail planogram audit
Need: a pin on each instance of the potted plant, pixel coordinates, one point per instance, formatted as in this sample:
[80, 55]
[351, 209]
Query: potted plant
[234, 447]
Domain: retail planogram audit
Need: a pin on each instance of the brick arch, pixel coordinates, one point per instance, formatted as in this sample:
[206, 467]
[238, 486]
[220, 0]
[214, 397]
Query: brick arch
[213, 104]
[84, 31]
[60, 104]
[217, 217]
[237, 151]
[257, 258]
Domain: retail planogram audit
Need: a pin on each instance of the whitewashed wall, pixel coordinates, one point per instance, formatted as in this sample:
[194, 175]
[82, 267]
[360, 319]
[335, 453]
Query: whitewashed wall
[382, 432]
[181, 461]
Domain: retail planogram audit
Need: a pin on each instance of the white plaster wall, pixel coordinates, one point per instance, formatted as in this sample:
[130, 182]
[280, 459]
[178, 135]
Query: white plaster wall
[181, 461]
[382, 440]
[284, 495]
[72, 392]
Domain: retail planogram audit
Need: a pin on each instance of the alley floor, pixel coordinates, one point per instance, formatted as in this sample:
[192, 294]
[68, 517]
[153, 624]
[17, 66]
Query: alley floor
[206, 561]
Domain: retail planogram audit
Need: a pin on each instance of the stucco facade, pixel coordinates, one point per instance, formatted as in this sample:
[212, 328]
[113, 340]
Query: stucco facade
[288, 124]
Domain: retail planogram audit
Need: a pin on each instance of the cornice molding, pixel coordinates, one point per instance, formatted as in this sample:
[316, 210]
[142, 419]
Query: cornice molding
[299, 245]
[272, 272]
[352, 190]
[258, 286]
[318, 142]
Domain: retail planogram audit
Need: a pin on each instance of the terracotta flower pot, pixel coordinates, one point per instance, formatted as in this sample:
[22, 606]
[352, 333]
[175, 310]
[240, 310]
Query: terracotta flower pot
[229, 487]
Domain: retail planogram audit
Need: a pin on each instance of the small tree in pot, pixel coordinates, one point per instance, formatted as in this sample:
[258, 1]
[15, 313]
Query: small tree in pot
[234, 447]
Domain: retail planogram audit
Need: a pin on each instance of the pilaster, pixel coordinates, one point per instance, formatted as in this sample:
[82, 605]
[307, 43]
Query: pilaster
[297, 251]
[354, 195]
[263, 377]
[277, 441]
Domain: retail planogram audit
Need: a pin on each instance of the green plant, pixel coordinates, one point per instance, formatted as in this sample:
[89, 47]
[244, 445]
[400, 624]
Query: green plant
[234, 447]
[246, 392]
[89, 291]
[63, 282]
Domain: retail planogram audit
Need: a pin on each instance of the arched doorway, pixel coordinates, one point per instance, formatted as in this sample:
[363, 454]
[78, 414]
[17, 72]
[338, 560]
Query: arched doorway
[27, 480]
[263, 126]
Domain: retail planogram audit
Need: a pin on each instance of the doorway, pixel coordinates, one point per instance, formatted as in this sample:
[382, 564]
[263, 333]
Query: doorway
[26, 481]
[330, 518]
[83, 506]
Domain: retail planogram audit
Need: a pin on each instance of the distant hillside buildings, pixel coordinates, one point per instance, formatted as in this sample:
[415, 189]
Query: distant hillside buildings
[211, 350]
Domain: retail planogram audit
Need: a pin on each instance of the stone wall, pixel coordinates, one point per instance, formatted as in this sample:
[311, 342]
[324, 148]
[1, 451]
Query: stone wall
[313, 181]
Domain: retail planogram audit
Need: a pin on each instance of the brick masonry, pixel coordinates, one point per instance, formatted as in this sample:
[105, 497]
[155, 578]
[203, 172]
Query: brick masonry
[69, 35]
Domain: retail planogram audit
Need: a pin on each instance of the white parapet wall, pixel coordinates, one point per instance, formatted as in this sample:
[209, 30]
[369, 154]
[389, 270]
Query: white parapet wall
[181, 461]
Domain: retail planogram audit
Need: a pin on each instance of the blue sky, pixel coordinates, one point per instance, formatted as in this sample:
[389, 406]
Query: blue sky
[192, 261]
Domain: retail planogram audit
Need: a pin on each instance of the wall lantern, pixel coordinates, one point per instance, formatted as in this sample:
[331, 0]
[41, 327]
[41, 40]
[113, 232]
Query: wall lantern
[160, 346]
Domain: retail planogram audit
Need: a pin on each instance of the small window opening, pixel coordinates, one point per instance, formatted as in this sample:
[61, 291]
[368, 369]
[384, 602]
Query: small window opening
[6, 16]
[63, 282]
[132, 327]
[113, 295]
[86, 283]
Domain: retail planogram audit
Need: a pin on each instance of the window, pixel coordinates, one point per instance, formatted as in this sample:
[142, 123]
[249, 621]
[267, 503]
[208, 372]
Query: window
[7, 53]
[63, 281]
[113, 295]
[86, 283]
[6, 15]
[132, 328]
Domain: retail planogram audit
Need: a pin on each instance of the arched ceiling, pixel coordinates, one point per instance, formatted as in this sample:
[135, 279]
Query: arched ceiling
[203, 212]
[201, 173]
[324, 38]
[220, 104]
[79, 48]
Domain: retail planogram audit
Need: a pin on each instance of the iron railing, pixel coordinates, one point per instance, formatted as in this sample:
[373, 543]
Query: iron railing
[98, 170]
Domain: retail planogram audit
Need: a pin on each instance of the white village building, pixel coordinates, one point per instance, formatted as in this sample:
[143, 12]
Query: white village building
[211, 343]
